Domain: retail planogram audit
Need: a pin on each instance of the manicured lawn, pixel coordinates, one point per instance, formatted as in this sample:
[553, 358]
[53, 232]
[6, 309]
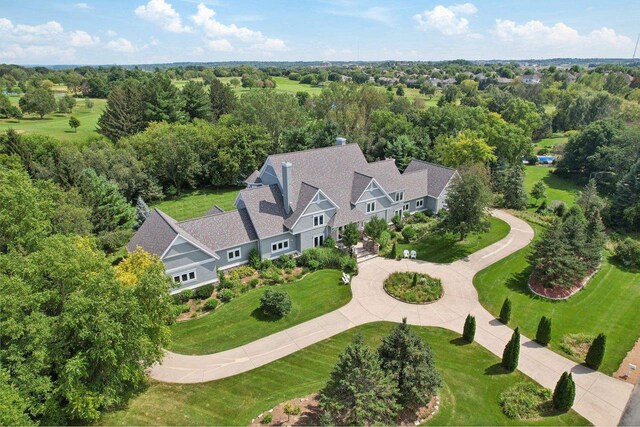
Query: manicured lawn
[447, 248]
[549, 143]
[283, 84]
[557, 188]
[240, 321]
[608, 304]
[470, 395]
[57, 124]
[192, 204]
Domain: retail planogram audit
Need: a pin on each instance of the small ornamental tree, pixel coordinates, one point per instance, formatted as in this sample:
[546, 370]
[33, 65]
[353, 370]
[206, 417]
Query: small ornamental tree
[543, 334]
[350, 235]
[290, 409]
[394, 251]
[414, 282]
[469, 331]
[596, 352]
[539, 191]
[564, 393]
[511, 352]
[408, 233]
[275, 303]
[505, 311]
[375, 226]
[74, 123]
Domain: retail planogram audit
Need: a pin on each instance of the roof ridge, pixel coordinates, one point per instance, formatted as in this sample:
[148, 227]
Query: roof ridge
[208, 215]
[433, 164]
[363, 174]
[164, 217]
[315, 149]
[258, 188]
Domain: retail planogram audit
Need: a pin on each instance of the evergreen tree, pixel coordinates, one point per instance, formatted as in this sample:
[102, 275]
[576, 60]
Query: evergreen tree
[515, 196]
[196, 101]
[394, 251]
[511, 352]
[469, 330]
[142, 211]
[222, 99]
[505, 311]
[591, 252]
[564, 392]
[359, 391]
[596, 352]
[164, 102]
[350, 235]
[589, 200]
[124, 114]
[409, 360]
[539, 191]
[543, 334]
[110, 211]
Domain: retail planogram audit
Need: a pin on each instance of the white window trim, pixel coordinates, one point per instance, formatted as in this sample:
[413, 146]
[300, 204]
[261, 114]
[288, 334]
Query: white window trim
[314, 240]
[399, 196]
[187, 273]
[398, 212]
[320, 218]
[372, 210]
[285, 241]
[419, 203]
[406, 207]
[233, 257]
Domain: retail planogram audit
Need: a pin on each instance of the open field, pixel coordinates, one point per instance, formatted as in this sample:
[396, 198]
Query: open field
[192, 204]
[57, 124]
[558, 188]
[549, 143]
[240, 321]
[447, 248]
[472, 378]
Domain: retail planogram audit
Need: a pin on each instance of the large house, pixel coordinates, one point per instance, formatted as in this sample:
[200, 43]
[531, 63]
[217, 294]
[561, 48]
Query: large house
[292, 203]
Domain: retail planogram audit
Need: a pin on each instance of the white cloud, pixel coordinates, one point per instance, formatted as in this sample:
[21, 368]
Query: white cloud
[446, 20]
[163, 14]
[375, 13]
[216, 30]
[220, 45]
[82, 39]
[121, 45]
[111, 33]
[82, 6]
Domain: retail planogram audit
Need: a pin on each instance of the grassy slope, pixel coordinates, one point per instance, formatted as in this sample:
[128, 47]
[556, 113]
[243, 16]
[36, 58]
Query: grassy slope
[57, 124]
[557, 187]
[437, 248]
[240, 321]
[470, 394]
[196, 203]
[549, 143]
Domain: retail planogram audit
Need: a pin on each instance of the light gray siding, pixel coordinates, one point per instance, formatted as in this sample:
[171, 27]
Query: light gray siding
[182, 260]
[269, 176]
[205, 274]
[265, 245]
[305, 222]
[306, 238]
[382, 204]
[224, 262]
[432, 204]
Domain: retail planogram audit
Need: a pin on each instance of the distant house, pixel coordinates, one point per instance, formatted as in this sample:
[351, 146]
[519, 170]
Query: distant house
[294, 202]
[532, 79]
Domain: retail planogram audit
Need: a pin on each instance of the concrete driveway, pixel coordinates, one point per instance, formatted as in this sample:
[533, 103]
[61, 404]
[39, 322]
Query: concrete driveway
[599, 398]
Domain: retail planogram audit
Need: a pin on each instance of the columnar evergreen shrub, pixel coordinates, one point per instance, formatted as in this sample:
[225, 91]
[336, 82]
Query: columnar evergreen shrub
[469, 331]
[564, 393]
[394, 251]
[414, 281]
[596, 352]
[505, 311]
[254, 259]
[543, 334]
[511, 352]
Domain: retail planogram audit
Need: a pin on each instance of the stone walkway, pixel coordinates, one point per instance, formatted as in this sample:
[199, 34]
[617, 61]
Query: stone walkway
[599, 398]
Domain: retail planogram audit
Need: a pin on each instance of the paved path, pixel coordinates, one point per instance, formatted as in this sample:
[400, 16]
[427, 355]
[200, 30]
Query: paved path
[599, 398]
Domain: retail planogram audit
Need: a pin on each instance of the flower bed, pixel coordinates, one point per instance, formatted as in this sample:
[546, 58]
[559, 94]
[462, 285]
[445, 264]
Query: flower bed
[414, 288]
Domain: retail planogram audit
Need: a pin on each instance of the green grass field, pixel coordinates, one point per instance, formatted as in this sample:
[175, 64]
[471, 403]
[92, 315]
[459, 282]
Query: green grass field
[557, 188]
[447, 248]
[193, 204]
[240, 321]
[549, 143]
[470, 396]
[57, 124]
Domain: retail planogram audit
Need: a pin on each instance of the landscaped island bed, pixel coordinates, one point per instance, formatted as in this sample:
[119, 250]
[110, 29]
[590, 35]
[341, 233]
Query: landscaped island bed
[414, 288]
[470, 395]
[240, 321]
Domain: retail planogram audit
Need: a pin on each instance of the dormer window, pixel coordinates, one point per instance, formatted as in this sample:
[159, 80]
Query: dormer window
[399, 196]
[319, 198]
[371, 207]
[318, 220]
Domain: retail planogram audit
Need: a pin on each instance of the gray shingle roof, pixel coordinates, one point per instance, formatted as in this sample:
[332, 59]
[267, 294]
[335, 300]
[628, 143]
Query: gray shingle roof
[215, 209]
[359, 184]
[221, 230]
[438, 176]
[254, 178]
[265, 208]
[155, 235]
[307, 192]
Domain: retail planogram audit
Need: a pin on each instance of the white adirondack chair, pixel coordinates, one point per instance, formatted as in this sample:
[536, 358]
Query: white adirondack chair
[406, 253]
[413, 254]
[346, 279]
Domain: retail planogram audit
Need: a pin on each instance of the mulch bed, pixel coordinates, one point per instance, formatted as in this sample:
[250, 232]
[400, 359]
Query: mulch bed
[310, 411]
[558, 293]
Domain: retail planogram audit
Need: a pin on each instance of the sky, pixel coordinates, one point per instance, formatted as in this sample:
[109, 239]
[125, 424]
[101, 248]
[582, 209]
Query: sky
[52, 32]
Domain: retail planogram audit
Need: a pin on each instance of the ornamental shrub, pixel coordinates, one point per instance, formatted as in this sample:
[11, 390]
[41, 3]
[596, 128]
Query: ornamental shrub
[469, 330]
[596, 352]
[267, 419]
[394, 251]
[408, 233]
[211, 304]
[285, 261]
[203, 292]
[505, 311]
[543, 334]
[565, 392]
[397, 222]
[524, 400]
[384, 238]
[254, 259]
[329, 242]
[226, 295]
[628, 252]
[511, 352]
[275, 303]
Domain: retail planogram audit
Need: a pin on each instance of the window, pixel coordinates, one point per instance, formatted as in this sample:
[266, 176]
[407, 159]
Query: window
[371, 207]
[185, 277]
[318, 240]
[399, 196]
[234, 254]
[419, 203]
[282, 245]
[398, 212]
[318, 220]
[406, 207]
[319, 198]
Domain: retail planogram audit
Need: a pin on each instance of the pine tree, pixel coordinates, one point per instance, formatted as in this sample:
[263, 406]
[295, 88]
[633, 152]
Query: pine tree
[163, 100]
[124, 114]
[142, 211]
[469, 330]
[591, 251]
[359, 391]
[196, 101]
[543, 334]
[505, 311]
[511, 352]
[109, 210]
[409, 360]
[222, 99]
[589, 200]
[539, 191]
[515, 196]
[564, 392]
[596, 352]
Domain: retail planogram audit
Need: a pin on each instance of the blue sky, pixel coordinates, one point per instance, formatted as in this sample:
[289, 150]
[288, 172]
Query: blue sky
[151, 31]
